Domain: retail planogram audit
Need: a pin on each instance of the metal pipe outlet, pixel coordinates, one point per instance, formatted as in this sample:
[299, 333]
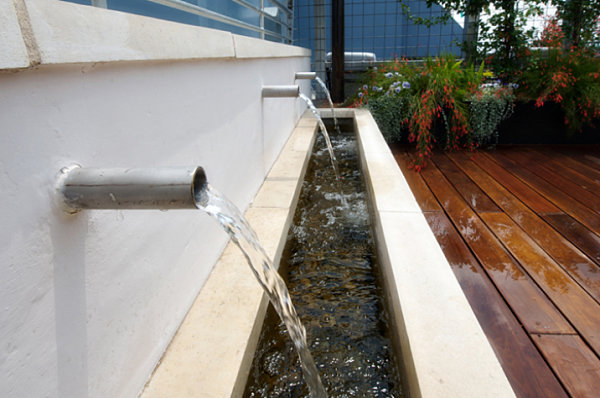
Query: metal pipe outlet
[306, 75]
[119, 188]
[280, 91]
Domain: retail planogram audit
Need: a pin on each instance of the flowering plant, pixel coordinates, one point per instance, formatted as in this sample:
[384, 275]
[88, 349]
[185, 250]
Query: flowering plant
[569, 77]
[433, 95]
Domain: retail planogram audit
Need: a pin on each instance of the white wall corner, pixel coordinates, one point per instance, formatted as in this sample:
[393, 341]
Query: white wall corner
[13, 48]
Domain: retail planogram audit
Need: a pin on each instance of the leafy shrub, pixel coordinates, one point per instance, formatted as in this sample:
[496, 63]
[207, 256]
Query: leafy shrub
[415, 97]
[390, 113]
[488, 107]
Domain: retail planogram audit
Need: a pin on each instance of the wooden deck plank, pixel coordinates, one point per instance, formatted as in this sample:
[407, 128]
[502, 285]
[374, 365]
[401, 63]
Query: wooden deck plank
[471, 193]
[579, 307]
[524, 192]
[559, 165]
[576, 165]
[587, 241]
[569, 188]
[423, 195]
[529, 303]
[574, 363]
[526, 370]
[538, 237]
[576, 263]
[586, 154]
[578, 211]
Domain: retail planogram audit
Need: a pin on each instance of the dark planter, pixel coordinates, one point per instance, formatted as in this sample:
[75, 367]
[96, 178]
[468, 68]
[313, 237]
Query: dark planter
[531, 125]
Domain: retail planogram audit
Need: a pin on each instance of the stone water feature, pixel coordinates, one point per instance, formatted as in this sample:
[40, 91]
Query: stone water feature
[426, 351]
[331, 268]
[441, 342]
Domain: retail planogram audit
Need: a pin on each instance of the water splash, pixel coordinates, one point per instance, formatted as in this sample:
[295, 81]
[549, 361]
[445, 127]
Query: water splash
[234, 223]
[326, 90]
[334, 278]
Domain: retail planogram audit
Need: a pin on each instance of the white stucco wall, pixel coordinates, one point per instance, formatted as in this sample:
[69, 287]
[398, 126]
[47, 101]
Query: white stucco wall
[90, 301]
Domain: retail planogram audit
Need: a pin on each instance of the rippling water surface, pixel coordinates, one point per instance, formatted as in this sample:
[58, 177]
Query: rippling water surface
[330, 267]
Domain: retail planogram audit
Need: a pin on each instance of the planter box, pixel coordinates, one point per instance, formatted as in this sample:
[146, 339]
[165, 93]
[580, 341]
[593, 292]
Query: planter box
[545, 125]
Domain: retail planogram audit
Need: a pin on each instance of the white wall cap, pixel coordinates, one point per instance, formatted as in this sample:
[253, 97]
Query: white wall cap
[68, 33]
[248, 47]
[13, 52]
[71, 33]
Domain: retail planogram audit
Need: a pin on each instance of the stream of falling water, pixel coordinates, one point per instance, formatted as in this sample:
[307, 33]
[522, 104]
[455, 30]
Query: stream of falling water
[334, 162]
[326, 90]
[323, 129]
[234, 223]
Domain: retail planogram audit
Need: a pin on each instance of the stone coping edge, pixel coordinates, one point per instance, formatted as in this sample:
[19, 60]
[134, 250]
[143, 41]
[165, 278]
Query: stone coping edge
[50, 32]
[444, 350]
[211, 353]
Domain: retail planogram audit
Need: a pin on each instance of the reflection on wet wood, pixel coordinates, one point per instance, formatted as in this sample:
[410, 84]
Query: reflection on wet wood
[576, 366]
[555, 178]
[562, 167]
[576, 164]
[568, 296]
[578, 211]
[524, 192]
[516, 286]
[586, 154]
[580, 267]
[539, 252]
[525, 368]
[587, 241]
[424, 197]
[474, 196]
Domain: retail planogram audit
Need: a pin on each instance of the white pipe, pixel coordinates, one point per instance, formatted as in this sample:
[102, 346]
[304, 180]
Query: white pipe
[280, 91]
[306, 75]
[119, 188]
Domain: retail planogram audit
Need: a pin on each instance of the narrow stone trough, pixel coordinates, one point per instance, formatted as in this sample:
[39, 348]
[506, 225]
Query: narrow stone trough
[444, 351]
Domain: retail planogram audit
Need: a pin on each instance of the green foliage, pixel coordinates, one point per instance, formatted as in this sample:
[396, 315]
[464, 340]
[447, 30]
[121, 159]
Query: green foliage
[488, 108]
[440, 90]
[580, 20]
[570, 78]
[420, 97]
[504, 38]
[390, 113]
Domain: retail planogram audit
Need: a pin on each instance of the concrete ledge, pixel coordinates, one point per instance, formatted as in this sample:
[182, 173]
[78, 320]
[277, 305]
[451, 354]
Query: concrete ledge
[67, 33]
[248, 47]
[445, 351]
[211, 354]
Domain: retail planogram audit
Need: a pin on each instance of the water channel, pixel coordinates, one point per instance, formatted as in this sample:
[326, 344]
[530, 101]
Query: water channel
[330, 266]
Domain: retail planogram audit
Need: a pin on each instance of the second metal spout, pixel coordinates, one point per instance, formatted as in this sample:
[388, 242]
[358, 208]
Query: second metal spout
[306, 75]
[280, 91]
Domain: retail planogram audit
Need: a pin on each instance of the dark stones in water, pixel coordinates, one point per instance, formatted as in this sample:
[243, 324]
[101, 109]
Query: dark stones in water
[331, 270]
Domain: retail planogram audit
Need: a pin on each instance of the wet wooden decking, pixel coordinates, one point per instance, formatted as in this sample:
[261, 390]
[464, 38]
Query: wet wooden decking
[520, 227]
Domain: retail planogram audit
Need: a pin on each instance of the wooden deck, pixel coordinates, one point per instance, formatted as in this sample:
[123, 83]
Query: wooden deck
[520, 227]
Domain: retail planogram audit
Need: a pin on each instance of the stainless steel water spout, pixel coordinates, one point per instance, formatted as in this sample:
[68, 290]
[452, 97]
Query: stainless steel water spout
[280, 91]
[137, 188]
[306, 75]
